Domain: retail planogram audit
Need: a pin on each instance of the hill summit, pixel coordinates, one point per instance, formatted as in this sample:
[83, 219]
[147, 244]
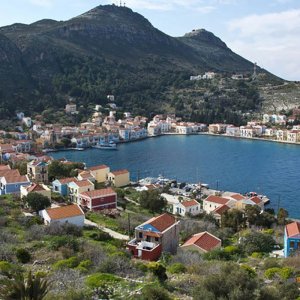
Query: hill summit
[108, 49]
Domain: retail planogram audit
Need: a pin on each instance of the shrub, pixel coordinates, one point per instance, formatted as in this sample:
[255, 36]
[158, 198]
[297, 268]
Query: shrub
[71, 262]
[23, 255]
[283, 273]
[84, 266]
[177, 268]
[100, 279]
[5, 267]
[251, 272]
[64, 241]
[100, 236]
[158, 270]
[151, 292]
[257, 255]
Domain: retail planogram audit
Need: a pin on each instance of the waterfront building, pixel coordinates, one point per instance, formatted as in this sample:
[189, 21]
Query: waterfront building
[281, 135]
[184, 129]
[157, 235]
[119, 178]
[233, 131]
[202, 242]
[293, 136]
[213, 202]
[100, 173]
[71, 214]
[291, 239]
[99, 199]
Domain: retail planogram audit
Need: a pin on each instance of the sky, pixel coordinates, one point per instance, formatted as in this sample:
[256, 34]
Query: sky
[263, 31]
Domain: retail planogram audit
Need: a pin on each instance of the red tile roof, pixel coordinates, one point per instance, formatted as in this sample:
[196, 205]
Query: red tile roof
[100, 167]
[217, 199]
[119, 172]
[64, 212]
[11, 178]
[190, 203]
[67, 180]
[83, 183]
[162, 222]
[4, 167]
[256, 200]
[237, 197]
[34, 187]
[203, 240]
[99, 193]
[221, 209]
[293, 229]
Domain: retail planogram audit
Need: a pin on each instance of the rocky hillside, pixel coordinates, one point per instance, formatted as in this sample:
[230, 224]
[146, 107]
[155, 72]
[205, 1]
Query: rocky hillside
[109, 49]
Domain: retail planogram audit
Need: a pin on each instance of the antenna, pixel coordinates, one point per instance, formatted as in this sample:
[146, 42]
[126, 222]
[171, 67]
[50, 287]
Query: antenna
[124, 4]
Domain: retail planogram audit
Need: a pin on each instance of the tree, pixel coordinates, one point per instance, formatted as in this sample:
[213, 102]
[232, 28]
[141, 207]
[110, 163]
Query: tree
[233, 219]
[153, 201]
[37, 201]
[281, 216]
[257, 242]
[252, 214]
[21, 288]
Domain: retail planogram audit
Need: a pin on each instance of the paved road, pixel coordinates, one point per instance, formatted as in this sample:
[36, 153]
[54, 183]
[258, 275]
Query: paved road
[112, 233]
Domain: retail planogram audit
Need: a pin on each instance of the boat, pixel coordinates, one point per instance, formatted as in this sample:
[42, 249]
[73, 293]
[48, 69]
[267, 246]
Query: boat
[106, 146]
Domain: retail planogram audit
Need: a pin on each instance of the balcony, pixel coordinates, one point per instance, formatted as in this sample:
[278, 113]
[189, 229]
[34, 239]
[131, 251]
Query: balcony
[145, 250]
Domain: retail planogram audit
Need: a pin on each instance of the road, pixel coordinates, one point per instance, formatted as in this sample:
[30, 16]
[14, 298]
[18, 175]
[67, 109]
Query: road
[112, 233]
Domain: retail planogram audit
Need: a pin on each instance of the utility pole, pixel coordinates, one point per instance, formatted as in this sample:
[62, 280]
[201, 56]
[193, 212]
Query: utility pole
[278, 204]
[129, 229]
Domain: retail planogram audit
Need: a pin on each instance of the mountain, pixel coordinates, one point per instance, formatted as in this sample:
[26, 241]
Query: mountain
[108, 49]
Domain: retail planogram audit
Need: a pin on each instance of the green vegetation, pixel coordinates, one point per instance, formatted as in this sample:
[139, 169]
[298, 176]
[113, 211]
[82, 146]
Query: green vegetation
[147, 70]
[37, 201]
[70, 263]
[59, 169]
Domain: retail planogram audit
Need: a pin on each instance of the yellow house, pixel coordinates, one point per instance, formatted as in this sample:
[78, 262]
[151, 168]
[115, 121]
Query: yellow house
[119, 178]
[78, 187]
[99, 172]
[35, 188]
[37, 171]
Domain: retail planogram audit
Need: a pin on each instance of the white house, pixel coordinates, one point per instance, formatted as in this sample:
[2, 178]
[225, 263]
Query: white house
[27, 121]
[233, 131]
[71, 214]
[183, 208]
[184, 129]
[213, 202]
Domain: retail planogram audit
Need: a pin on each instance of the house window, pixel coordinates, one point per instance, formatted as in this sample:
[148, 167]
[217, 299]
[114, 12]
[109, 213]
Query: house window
[156, 239]
[292, 244]
[140, 235]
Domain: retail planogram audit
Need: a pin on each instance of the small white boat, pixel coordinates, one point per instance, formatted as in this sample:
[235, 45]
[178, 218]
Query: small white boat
[106, 146]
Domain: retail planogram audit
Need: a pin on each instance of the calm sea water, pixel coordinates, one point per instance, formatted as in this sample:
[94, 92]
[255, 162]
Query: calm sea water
[229, 164]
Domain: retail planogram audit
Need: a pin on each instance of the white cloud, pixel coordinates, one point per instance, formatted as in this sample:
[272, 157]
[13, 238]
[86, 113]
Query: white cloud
[270, 39]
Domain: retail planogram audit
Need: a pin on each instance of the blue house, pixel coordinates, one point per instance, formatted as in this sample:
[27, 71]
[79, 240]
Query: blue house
[291, 238]
[61, 185]
[11, 182]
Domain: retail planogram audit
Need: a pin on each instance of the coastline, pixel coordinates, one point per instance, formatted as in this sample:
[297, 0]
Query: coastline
[174, 133]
